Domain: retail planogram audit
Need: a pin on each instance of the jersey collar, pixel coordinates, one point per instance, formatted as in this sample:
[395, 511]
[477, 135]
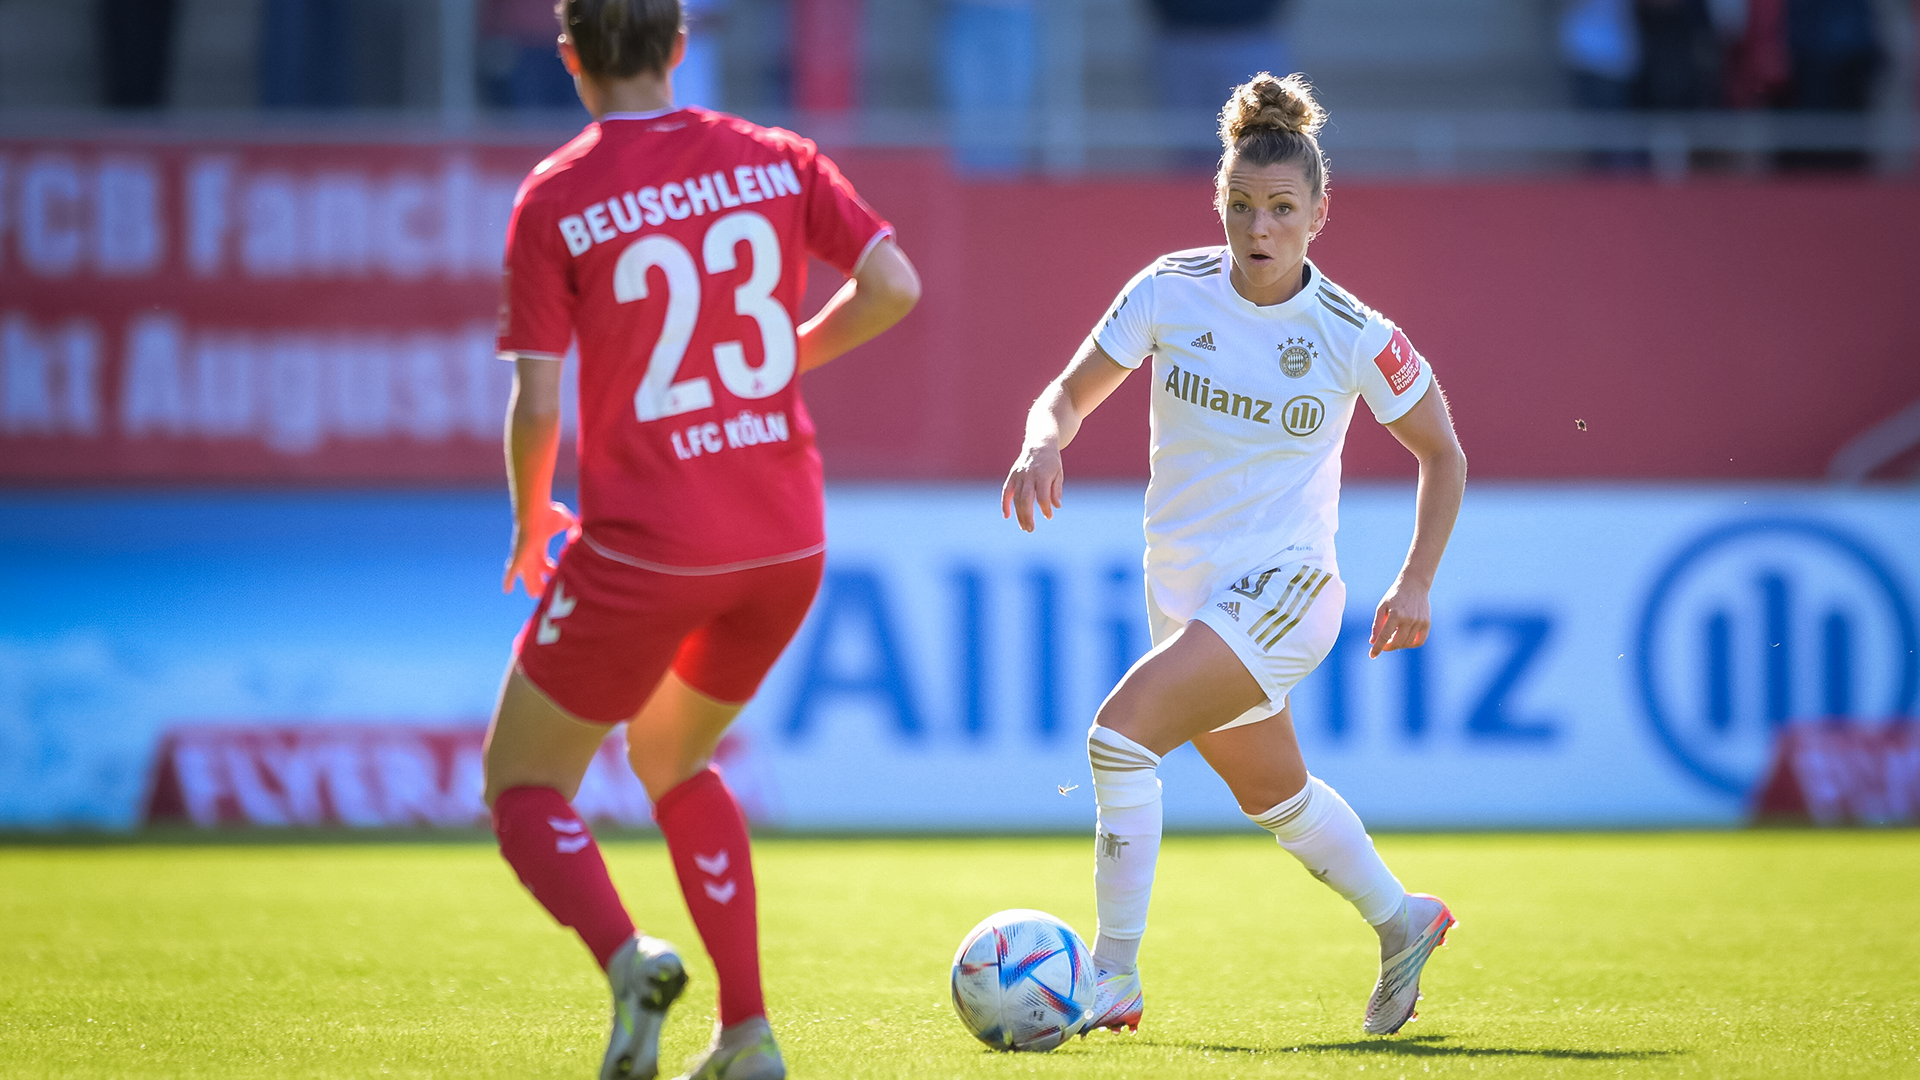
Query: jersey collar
[1286, 309]
[652, 115]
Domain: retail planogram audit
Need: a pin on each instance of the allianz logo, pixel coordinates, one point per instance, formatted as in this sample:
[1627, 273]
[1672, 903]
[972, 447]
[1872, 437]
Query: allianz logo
[1199, 390]
[1759, 624]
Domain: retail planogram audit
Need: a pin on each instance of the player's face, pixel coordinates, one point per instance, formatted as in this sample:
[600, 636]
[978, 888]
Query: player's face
[1270, 213]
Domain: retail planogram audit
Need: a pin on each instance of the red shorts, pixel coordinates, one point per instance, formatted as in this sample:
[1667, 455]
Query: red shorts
[604, 634]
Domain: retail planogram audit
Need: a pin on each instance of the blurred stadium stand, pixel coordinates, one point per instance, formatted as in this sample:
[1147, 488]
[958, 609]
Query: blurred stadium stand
[1475, 86]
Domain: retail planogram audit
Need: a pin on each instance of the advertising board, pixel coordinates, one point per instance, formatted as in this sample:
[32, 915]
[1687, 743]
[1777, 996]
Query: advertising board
[312, 308]
[1601, 657]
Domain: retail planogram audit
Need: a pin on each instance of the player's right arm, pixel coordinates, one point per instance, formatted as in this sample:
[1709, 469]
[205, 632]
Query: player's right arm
[533, 445]
[1125, 333]
[536, 326]
[1038, 477]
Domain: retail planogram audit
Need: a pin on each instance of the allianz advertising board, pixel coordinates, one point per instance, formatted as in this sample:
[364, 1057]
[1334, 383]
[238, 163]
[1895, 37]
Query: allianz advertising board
[1601, 656]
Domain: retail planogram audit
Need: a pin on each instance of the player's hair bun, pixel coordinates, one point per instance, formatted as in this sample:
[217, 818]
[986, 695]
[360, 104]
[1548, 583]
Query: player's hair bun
[1272, 121]
[1267, 103]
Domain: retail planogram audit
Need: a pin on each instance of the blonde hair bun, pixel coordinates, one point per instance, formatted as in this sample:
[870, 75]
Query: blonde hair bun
[1268, 103]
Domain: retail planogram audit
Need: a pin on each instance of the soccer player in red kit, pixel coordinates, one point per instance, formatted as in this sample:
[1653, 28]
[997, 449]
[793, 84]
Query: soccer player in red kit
[671, 245]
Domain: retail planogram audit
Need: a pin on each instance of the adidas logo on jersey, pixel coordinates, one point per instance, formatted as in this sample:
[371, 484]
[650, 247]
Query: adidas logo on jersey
[1204, 341]
[1231, 607]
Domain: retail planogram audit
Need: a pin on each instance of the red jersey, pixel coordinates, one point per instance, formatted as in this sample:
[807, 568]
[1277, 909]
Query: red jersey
[673, 247]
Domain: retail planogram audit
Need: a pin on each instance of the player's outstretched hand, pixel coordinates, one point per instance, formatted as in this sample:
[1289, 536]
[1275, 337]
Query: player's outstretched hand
[1402, 619]
[530, 564]
[1037, 477]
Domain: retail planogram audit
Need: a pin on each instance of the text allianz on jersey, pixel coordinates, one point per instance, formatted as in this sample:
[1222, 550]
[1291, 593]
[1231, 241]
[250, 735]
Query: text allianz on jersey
[1199, 390]
[697, 195]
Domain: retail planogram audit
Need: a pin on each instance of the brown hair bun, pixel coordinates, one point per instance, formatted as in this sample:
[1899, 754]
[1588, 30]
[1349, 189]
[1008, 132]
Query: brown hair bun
[1272, 121]
[1268, 103]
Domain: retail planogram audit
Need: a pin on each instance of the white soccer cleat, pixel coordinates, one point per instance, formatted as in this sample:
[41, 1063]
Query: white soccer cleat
[646, 975]
[1399, 987]
[745, 1051]
[1117, 1002]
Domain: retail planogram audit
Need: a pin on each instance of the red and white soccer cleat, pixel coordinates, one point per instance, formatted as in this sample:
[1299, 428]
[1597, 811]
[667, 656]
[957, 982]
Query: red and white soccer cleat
[1399, 987]
[1117, 1002]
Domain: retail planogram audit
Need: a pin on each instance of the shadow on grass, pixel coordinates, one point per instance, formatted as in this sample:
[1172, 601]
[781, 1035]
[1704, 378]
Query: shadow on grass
[1437, 1046]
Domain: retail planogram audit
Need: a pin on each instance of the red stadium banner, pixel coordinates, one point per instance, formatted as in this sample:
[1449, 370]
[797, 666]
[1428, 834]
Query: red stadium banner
[287, 312]
[373, 775]
[1838, 774]
[220, 311]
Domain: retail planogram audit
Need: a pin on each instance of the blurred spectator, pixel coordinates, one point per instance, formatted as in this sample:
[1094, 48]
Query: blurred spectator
[1600, 43]
[1207, 47]
[1759, 69]
[828, 47]
[989, 52]
[1679, 55]
[520, 64]
[136, 50]
[306, 54]
[1836, 54]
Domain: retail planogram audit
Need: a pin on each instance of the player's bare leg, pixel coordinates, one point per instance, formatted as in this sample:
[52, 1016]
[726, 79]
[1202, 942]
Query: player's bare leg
[1191, 683]
[670, 744]
[673, 736]
[1261, 764]
[535, 756]
[534, 743]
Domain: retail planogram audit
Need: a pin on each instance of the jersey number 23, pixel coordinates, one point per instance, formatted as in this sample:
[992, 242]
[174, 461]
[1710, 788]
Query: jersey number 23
[659, 396]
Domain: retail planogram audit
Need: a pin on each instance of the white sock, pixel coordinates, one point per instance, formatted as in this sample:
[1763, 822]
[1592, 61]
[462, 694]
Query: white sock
[1126, 843]
[1317, 827]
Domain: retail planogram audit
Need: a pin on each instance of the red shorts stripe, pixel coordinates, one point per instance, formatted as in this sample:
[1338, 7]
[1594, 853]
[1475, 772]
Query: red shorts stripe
[604, 634]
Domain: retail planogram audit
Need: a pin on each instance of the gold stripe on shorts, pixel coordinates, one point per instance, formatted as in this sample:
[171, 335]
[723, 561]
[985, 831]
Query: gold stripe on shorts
[1289, 611]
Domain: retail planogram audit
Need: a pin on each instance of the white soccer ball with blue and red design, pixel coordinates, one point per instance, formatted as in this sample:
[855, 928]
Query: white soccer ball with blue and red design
[1022, 980]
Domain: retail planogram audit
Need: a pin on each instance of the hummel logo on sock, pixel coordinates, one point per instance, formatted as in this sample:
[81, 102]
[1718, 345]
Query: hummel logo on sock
[713, 866]
[573, 836]
[1204, 341]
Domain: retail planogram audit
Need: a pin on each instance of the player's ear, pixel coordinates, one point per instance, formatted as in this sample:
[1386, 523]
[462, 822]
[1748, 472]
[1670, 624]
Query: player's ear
[1321, 206]
[569, 56]
[679, 50]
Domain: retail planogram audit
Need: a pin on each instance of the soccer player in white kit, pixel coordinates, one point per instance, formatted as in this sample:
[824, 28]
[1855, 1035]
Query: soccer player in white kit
[1258, 360]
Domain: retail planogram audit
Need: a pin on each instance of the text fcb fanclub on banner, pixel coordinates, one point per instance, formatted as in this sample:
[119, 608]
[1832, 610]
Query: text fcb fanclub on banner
[251, 311]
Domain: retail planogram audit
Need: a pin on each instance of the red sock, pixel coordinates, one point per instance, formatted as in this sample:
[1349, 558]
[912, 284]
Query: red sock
[551, 850]
[707, 837]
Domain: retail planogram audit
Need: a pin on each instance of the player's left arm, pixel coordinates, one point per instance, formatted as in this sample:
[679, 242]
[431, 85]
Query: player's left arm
[883, 288]
[1404, 615]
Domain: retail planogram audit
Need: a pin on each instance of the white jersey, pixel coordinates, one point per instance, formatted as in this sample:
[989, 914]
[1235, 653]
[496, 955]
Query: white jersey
[1250, 411]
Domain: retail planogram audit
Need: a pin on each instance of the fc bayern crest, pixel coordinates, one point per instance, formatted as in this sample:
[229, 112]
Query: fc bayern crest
[1296, 357]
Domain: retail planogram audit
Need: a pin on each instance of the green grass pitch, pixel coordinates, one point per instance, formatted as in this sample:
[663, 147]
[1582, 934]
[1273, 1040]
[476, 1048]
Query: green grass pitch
[1790, 954]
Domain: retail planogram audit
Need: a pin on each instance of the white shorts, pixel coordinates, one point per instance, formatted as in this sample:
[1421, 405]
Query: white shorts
[1280, 622]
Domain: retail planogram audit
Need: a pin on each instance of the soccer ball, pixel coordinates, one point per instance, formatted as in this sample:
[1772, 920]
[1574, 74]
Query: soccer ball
[1022, 980]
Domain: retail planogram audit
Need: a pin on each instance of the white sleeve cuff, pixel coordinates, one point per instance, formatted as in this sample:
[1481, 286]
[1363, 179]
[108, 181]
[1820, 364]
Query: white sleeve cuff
[868, 250]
